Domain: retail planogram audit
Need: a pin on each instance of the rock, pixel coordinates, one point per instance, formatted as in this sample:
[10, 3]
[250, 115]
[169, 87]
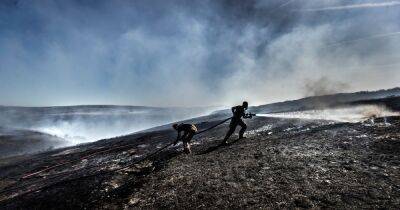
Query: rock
[303, 202]
[373, 193]
[258, 155]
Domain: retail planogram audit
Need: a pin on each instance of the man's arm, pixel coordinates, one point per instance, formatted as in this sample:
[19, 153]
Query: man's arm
[233, 110]
[177, 138]
[249, 115]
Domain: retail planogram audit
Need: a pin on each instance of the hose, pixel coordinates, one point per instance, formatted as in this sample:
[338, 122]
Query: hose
[94, 174]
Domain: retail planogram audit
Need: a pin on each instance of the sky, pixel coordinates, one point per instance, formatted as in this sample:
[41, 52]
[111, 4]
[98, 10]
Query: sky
[194, 52]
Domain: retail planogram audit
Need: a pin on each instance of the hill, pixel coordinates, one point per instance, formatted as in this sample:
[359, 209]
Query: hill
[283, 163]
[19, 142]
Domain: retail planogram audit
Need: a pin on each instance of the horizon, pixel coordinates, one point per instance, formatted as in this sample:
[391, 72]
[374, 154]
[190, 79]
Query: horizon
[189, 107]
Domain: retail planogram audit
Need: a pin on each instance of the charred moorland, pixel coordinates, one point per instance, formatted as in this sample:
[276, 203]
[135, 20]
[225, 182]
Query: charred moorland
[283, 163]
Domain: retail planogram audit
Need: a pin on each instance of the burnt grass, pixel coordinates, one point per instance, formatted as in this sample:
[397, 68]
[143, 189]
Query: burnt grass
[19, 141]
[283, 163]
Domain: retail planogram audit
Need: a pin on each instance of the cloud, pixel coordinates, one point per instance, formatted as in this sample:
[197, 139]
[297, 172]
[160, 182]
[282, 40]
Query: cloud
[366, 38]
[189, 53]
[286, 3]
[353, 6]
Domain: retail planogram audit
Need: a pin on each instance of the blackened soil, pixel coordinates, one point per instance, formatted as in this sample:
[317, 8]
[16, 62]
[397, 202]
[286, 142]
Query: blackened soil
[281, 164]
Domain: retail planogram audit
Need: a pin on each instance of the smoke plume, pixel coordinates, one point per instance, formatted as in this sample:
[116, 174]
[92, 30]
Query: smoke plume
[323, 86]
[345, 114]
[192, 53]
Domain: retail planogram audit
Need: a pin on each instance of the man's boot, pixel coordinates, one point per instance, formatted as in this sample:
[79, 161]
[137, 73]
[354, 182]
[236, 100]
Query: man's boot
[187, 150]
[241, 132]
[241, 135]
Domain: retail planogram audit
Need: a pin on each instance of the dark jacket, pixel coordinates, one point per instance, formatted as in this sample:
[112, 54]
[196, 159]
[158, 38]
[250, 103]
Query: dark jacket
[186, 129]
[238, 112]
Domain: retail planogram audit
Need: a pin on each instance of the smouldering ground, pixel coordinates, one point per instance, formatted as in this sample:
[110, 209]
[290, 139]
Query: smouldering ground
[283, 163]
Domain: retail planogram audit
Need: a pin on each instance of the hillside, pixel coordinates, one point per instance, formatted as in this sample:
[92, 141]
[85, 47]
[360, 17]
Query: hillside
[326, 101]
[80, 124]
[20, 141]
[284, 163]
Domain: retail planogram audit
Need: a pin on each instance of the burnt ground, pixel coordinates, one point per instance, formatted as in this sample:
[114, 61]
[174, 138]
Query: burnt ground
[22, 141]
[283, 163]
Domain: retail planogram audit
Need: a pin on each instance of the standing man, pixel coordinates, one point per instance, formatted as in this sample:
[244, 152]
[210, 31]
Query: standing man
[189, 130]
[238, 112]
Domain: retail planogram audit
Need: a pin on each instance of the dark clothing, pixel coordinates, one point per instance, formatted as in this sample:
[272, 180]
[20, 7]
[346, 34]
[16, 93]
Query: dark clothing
[238, 113]
[189, 130]
[232, 127]
[186, 128]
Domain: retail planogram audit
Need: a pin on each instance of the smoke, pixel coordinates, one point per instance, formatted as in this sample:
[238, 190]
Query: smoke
[193, 53]
[79, 131]
[346, 114]
[323, 86]
[90, 123]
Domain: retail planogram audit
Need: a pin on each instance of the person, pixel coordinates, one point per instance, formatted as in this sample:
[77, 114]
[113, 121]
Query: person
[189, 130]
[238, 112]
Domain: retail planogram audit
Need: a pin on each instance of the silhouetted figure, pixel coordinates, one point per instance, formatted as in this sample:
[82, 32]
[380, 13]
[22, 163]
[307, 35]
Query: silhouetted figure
[189, 130]
[238, 112]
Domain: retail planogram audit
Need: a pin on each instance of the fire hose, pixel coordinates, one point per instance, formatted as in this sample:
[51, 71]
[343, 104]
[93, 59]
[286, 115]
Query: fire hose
[94, 174]
[107, 150]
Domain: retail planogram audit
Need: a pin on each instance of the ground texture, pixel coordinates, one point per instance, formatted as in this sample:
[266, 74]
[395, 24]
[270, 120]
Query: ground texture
[283, 163]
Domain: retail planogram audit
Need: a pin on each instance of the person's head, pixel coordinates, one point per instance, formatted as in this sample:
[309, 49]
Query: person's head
[245, 104]
[175, 126]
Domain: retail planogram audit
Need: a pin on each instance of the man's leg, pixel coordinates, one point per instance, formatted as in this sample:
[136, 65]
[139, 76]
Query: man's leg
[186, 142]
[232, 127]
[186, 147]
[188, 139]
[190, 136]
[243, 129]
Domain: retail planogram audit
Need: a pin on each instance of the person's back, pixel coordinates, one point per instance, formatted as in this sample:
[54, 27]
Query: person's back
[238, 111]
[186, 128]
[189, 130]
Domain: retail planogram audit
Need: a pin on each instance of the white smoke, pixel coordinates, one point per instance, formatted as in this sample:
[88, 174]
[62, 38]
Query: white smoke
[197, 53]
[90, 123]
[76, 132]
[346, 114]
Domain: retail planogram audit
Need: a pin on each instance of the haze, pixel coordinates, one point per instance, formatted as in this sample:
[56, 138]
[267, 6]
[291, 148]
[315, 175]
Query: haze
[194, 53]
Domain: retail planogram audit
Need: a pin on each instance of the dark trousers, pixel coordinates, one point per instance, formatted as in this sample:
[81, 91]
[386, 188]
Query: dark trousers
[186, 140]
[232, 127]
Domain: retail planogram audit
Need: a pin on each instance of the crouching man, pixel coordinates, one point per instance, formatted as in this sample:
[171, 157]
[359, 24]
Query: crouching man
[189, 130]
